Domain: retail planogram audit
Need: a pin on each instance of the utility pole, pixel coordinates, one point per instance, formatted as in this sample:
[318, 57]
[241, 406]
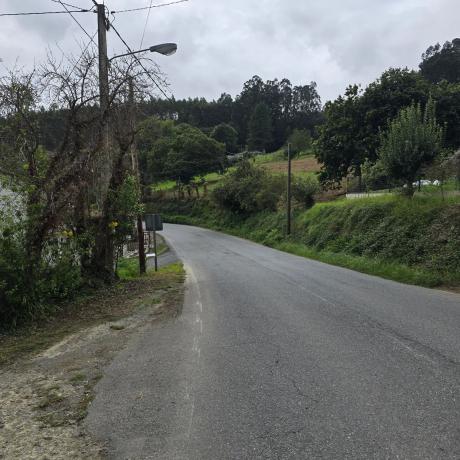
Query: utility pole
[288, 227]
[135, 168]
[103, 70]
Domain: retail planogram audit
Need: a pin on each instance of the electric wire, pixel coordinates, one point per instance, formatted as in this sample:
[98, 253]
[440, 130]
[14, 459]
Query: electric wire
[73, 6]
[75, 19]
[140, 63]
[149, 7]
[146, 22]
[44, 12]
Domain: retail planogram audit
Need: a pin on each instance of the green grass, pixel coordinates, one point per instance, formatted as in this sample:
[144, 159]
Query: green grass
[128, 269]
[384, 269]
[164, 186]
[412, 241]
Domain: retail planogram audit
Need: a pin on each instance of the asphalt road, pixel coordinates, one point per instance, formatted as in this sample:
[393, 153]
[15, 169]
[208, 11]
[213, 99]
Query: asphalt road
[276, 356]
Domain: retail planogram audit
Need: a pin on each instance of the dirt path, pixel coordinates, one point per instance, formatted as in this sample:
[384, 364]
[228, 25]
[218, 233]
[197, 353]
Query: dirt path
[44, 397]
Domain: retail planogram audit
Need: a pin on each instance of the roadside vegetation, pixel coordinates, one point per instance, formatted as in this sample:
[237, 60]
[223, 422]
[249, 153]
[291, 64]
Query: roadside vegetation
[415, 242]
[49, 369]
[398, 137]
[108, 304]
[65, 211]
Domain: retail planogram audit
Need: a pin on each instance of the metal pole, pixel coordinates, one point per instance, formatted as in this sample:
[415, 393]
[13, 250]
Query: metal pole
[155, 249]
[288, 228]
[135, 168]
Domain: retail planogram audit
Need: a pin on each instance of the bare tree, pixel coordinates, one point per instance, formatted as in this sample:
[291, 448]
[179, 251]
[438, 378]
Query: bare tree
[76, 184]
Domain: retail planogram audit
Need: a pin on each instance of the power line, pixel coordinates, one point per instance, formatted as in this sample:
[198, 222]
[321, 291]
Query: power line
[140, 63]
[75, 19]
[145, 25]
[150, 7]
[44, 12]
[73, 6]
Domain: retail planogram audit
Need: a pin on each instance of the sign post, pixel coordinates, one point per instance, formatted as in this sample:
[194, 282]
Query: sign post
[153, 223]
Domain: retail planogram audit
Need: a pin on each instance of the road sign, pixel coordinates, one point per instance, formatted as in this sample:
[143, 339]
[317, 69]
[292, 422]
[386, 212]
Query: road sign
[153, 223]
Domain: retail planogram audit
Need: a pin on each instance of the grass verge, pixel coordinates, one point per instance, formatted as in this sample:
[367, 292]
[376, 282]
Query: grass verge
[411, 241]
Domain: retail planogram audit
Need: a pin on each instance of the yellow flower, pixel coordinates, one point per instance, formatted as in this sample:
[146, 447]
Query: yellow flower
[113, 225]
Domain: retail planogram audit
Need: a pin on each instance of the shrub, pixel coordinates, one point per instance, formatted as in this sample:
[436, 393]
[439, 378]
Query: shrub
[248, 190]
[23, 298]
[303, 190]
[300, 141]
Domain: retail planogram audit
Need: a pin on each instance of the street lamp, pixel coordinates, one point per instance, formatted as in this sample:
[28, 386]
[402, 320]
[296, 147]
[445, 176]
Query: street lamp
[166, 49]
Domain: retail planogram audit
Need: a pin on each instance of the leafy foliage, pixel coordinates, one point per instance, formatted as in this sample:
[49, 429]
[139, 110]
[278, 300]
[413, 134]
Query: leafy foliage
[300, 141]
[290, 107]
[248, 189]
[260, 128]
[227, 135]
[178, 152]
[340, 147]
[442, 63]
[413, 140]
[303, 190]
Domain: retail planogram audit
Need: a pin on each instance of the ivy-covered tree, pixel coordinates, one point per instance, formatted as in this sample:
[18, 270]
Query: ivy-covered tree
[413, 141]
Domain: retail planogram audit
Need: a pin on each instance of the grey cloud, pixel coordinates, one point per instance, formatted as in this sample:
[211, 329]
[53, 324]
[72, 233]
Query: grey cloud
[222, 43]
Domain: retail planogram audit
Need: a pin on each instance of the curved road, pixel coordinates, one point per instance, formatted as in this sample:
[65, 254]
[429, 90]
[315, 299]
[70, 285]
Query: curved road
[280, 357]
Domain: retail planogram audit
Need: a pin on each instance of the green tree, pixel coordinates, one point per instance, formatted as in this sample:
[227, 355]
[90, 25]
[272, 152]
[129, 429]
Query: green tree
[413, 141]
[442, 63]
[383, 99]
[151, 131]
[249, 189]
[353, 123]
[447, 97]
[185, 152]
[260, 128]
[340, 146]
[300, 140]
[227, 135]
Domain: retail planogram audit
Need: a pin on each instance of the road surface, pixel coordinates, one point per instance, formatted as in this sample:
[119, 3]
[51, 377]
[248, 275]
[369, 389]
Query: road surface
[280, 357]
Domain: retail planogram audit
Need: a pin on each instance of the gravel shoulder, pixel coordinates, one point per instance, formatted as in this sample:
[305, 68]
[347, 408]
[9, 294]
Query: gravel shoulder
[48, 374]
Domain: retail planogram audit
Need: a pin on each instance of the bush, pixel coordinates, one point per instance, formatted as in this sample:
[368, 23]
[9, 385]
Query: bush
[248, 190]
[24, 299]
[300, 141]
[303, 190]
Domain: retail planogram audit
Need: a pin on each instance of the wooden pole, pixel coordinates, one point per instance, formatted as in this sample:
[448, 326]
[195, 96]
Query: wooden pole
[289, 181]
[135, 168]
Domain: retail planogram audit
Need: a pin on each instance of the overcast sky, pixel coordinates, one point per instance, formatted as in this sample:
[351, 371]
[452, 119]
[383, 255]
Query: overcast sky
[223, 43]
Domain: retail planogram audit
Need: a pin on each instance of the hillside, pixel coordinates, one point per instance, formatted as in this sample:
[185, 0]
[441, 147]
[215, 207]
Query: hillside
[414, 241]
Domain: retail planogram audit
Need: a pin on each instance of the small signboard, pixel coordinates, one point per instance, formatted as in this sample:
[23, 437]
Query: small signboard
[153, 223]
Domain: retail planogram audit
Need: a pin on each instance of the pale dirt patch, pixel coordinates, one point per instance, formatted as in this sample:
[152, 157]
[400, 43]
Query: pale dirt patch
[309, 164]
[44, 398]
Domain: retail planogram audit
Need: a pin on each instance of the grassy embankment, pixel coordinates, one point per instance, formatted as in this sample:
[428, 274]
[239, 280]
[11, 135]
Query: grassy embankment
[276, 163]
[412, 241]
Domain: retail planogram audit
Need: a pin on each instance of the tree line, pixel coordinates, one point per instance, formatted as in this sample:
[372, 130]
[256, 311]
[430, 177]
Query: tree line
[282, 107]
[353, 131]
